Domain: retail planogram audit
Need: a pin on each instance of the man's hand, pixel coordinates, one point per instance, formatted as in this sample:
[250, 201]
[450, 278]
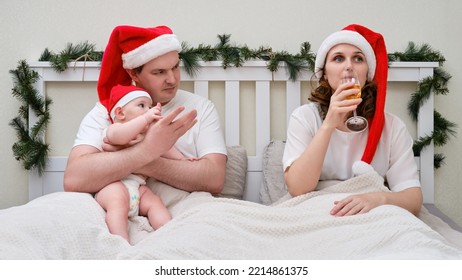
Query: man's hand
[173, 128]
[162, 135]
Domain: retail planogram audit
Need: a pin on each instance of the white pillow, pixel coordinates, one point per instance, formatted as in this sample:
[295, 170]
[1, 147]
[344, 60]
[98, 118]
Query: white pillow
[236, 173]
[273, 185]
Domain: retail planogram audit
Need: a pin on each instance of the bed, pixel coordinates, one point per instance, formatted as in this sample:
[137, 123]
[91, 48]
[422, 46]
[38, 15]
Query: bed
[254, 217]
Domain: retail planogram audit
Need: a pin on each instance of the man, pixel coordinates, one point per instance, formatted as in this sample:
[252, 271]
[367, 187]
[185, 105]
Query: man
[149, 58]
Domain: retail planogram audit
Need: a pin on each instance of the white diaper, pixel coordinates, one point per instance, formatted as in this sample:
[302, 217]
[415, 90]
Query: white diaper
[132, 183]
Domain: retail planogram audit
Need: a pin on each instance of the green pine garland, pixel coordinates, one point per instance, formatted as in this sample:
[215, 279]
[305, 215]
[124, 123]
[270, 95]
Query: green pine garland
[32, 151]
[71, 53]
[442, 128]
[30, 148]
[235, 55]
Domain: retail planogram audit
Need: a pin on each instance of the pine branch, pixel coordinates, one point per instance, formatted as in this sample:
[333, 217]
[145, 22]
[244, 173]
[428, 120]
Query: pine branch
[23, 112]
[414, 52]
[30, 148]
[294, 65]
[421, 143]
[307, 55]
[71, 53]
[207, 53]
[443, 130]
[39, 128]
[420, 96]
[32, 152]
[46, 55]
[438, 160]
[263, 53]
[235, 55]
[437, 85]
[440, 85]
[190, 60]
[23, 80]
[230, 54]
[21, 129]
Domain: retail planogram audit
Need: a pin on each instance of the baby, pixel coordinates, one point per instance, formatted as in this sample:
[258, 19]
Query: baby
[131, 112]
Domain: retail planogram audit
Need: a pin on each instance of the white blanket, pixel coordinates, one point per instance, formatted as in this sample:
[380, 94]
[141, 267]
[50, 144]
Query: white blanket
[72, 226]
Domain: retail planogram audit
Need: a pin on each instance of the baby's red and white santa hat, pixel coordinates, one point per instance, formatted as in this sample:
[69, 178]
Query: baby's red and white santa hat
[128, 48]
[373, 46]
[120, 95]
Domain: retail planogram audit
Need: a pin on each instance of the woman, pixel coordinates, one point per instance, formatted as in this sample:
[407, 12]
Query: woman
[319, 145]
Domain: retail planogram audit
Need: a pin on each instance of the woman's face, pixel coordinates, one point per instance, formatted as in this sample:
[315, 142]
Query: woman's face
[341, 61]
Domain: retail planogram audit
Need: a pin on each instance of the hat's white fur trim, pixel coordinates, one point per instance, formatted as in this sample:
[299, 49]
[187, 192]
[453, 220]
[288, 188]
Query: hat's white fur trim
[156, 47]
[345, 37]
[127, 98]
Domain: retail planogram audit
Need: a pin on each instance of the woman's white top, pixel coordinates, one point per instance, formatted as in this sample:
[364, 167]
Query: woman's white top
[393, 159]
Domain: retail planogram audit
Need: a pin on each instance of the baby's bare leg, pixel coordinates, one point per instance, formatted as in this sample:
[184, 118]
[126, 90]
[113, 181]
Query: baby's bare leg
[152, 206]
[114, 199]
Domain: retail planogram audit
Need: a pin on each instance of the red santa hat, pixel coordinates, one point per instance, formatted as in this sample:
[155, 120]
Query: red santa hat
[120, 95]
[373, 46]
[128, 48]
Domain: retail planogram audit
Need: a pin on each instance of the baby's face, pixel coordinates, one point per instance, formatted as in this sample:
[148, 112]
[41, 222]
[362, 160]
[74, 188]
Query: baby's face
[136, 107]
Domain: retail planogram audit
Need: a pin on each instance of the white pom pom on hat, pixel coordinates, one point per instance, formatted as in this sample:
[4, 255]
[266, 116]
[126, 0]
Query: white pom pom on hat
[361, 168]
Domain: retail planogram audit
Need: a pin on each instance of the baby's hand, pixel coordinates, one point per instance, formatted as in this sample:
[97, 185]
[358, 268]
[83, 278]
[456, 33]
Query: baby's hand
[153, 114]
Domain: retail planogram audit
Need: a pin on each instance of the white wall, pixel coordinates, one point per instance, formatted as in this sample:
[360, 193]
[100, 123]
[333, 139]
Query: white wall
[31, 26]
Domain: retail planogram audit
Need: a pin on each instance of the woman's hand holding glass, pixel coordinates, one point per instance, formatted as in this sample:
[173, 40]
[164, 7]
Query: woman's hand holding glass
[355, 123]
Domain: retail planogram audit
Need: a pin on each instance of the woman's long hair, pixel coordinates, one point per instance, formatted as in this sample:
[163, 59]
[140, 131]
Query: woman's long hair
[323, 92]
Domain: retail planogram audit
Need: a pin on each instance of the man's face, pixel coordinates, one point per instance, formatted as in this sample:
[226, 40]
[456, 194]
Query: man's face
[160, 77]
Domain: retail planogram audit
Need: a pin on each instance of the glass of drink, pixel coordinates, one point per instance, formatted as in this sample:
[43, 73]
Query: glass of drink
[355, 123]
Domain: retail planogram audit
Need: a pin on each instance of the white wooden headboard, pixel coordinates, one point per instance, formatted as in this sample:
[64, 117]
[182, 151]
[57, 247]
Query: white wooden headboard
[254, 71]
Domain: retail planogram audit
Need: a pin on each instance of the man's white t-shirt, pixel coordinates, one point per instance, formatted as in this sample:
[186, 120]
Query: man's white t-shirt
[203, 138]
[393, 159]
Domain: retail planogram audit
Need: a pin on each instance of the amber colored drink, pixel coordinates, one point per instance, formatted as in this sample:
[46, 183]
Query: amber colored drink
[357, 95]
